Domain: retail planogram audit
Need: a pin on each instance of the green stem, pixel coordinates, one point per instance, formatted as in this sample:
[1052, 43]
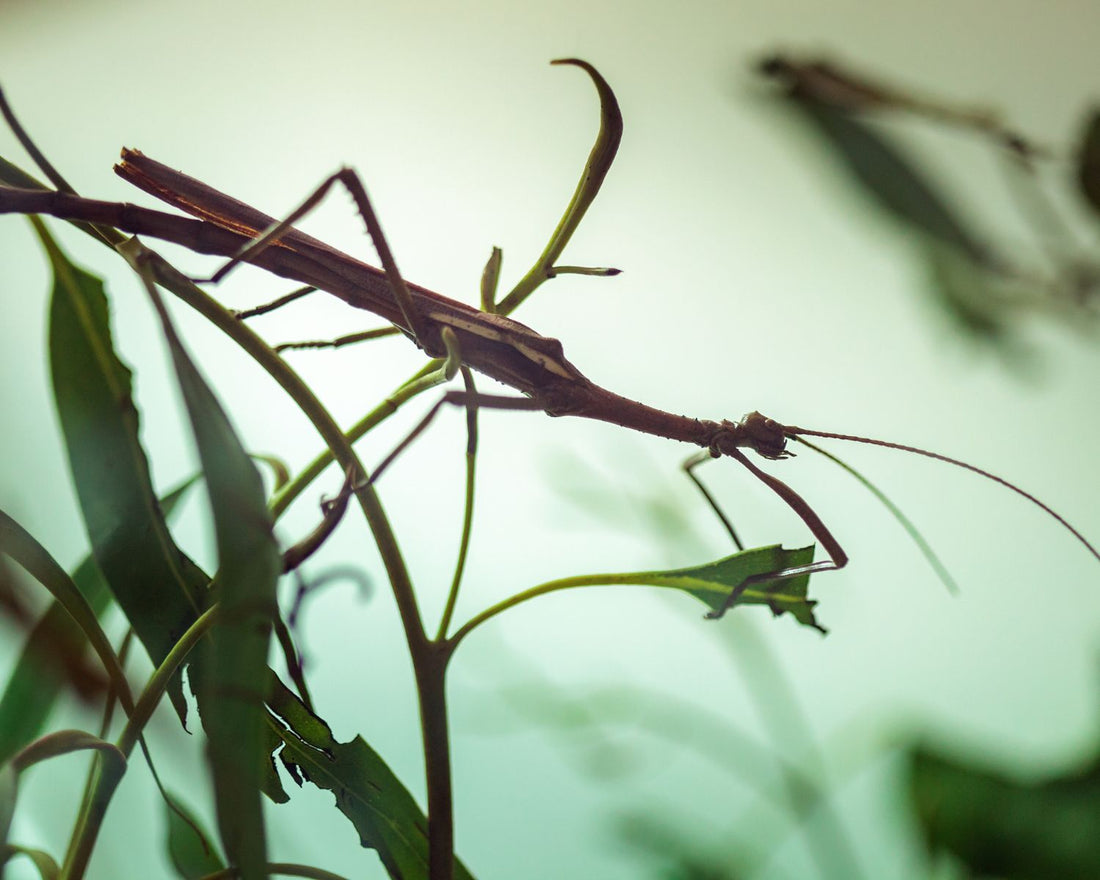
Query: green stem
[431, 686]
[584, 580]
[425, 379]
[468, 506]
[92, 812]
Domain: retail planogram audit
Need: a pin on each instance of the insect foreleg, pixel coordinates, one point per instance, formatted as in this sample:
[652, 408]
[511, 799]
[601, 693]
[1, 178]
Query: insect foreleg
[837, 557]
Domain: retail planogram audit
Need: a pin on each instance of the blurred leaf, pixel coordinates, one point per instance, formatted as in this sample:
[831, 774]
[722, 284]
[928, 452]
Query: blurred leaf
[1088, 167]
[234, 674]
[280, 473]
[712, 583]
[1001, 827]
[43, 861]
[53, 654]
[20, 545]
[64, 742]
[160, 590]
[9, 789]
[189, 847]
[891, 180]
[969, 296]
[382, 810]
[679, 857]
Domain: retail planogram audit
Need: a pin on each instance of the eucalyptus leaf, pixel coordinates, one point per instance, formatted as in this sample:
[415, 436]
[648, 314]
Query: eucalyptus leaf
[234, 673]
[190, 849]
[43, 666]
[892, 180]
[367, 792]
[21, 546]
[158, 587]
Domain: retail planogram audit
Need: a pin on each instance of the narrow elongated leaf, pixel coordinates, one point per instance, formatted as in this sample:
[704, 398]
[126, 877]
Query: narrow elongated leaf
[20, 545]
[190, 849]
[64, 742]
[1001, 827]
[1088, 161]
[892, 180]
[234, 675]
[160, 589]
[367, 792]
[52, 656]
[43, 667]
[42, 861]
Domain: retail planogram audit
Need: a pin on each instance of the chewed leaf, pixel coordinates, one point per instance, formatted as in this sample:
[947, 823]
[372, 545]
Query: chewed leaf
[382, 811]
[158, 587]
[712, 583]
[232, 680]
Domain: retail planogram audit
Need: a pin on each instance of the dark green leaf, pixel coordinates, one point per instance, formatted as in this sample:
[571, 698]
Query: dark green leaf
[51, 649]
[712, 583]
[234, 676]
[382, 810]
[64, 742]
[892, 180]
[1088, 161]
[20, 545]
[1002, 827]
[189, 846]
[160, 590]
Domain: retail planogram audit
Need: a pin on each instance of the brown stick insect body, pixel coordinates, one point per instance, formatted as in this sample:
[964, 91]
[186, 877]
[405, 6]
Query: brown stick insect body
[492, 344]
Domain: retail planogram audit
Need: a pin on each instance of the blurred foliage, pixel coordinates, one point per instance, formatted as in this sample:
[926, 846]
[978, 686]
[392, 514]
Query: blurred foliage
[986, 288]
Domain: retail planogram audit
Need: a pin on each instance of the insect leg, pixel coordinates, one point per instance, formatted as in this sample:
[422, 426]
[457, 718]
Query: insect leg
[689, 467]
[837, 557]
[414, 321]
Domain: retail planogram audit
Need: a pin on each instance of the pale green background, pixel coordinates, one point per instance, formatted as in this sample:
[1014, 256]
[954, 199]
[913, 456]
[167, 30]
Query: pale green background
[753, 279]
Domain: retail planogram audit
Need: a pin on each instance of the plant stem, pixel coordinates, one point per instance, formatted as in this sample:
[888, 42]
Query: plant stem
[95, 807]
[431, 686]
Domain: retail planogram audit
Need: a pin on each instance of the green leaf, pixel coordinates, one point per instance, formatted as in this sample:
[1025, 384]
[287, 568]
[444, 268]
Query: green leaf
[44, 666]
[367, 792]
[20, 545]
[64, 742]
[712, 583]
[43, 861]
[892, 180]
[1005, 828]
[160, 590]
[234, 675]
[1088, 161]
[189, 846]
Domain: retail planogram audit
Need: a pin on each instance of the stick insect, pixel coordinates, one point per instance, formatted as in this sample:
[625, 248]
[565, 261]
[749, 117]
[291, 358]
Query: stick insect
[491, 343]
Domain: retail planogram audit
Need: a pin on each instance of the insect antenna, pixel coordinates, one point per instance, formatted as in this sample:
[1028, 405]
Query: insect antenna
[797, 433]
